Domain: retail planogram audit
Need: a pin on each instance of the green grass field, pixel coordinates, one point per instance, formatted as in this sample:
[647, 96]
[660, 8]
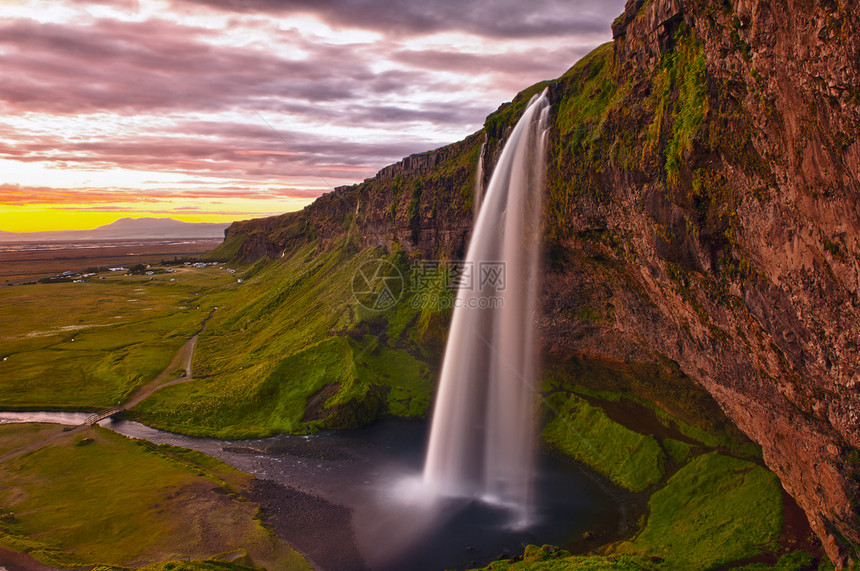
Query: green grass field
[713, 511]
[87, 346]
[13, 435]
[285, 332]
[96, 497]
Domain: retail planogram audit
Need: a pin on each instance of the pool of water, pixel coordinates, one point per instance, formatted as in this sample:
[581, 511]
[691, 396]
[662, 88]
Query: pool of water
[375, 472]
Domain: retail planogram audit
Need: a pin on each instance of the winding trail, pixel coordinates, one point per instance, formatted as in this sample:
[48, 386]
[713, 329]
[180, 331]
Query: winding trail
[182, 359]
[184, 355]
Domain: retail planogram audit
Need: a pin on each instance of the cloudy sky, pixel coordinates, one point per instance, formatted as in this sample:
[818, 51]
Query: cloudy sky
[228, 109]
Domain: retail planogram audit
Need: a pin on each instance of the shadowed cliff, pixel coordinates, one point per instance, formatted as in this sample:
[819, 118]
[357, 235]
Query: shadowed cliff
[701, 212]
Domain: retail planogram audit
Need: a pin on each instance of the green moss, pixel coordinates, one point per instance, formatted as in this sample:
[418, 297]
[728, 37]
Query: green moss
[409, 380]
[587, 94]
[740, 45]
[589, 90]
[679, 402]
[542, 559]
[680, 451]
[833, 249]
[596, 314]
[633, 461]
[681, 85]
[713, 440]
[713, 511]
[793, 561]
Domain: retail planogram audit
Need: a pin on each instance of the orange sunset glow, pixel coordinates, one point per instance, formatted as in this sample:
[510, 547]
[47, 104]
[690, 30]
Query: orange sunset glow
[201, 111]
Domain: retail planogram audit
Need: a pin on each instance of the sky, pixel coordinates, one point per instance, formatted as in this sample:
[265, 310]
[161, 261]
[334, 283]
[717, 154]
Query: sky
[220, 110]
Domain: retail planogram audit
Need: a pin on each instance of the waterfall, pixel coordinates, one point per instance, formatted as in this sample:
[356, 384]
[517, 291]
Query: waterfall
[479, 180]
[483, 434]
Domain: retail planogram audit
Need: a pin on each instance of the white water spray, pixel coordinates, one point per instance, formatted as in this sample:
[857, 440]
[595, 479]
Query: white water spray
[482, 440]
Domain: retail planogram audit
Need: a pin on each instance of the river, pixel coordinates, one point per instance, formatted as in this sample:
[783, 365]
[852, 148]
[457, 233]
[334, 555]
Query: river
[373, 473]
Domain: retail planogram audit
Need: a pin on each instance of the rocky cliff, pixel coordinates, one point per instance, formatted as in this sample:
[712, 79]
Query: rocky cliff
[701, 208]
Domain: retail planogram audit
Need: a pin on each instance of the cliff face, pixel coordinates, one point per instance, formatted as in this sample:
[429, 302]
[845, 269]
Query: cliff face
[422, 203]
[703, 206]
[737, 227]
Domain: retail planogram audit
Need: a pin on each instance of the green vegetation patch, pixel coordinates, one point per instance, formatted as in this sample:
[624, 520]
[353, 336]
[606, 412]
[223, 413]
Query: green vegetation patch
[680, 451]
[587, 96]
[88, 346]
[549, 558]
[677, 400]
[117, 501]
[792, 561]
[633, 461]
[715, 510]
[295, 351]
[590, 90]
[680, 87]
[228, 249]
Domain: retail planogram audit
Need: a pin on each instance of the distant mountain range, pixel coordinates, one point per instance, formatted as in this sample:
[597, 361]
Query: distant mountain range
[125, 228]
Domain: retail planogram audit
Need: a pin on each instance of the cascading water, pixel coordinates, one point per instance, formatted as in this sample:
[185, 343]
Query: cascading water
[482, 440]
[479, 180]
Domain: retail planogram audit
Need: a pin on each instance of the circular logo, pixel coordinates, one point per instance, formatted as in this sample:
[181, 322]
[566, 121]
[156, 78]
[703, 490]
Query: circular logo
[377, 285]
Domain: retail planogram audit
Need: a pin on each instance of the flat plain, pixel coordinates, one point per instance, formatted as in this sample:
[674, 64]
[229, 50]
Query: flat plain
[87, 346]
[31, 261]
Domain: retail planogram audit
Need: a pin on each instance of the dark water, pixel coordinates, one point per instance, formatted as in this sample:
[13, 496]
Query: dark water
[376, 473]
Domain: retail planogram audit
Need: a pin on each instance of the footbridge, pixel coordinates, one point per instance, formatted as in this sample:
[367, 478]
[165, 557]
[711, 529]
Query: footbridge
[101, 415]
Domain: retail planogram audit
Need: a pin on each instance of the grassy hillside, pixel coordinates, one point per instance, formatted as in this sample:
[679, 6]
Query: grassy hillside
[294, 350]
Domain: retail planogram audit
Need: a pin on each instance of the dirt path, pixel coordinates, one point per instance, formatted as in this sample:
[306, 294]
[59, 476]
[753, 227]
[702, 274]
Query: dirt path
[14, 561]
[181, 359]
[39, 443]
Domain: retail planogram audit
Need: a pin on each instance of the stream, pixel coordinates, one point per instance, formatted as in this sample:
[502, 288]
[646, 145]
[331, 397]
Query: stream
[375, 472]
